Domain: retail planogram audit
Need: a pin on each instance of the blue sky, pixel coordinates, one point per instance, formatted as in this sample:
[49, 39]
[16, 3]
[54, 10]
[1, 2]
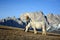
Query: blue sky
[16, 7]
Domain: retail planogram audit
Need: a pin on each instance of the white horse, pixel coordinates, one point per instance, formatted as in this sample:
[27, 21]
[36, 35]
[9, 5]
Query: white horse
[36, 25]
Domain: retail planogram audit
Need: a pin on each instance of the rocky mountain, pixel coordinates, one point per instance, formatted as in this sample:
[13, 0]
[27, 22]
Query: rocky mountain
[12, 21]
[52, 20]
[37, 16]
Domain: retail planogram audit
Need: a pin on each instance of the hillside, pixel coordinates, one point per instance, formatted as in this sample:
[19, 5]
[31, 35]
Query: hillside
[52, 20]
[12, 33]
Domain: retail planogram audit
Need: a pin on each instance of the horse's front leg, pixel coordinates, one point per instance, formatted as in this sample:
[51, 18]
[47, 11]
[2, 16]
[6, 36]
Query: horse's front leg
[27, 27]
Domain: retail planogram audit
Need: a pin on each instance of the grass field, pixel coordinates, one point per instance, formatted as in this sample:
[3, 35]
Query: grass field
[12, 33]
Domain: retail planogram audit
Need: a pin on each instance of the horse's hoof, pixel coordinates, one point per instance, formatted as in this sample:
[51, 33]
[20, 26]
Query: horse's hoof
[35, 32]
[25, 31]
[44, 34]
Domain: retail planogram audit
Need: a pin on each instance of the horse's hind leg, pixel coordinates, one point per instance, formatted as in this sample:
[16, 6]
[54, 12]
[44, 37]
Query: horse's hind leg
[35, 31]
[43, 30]
[44, 33]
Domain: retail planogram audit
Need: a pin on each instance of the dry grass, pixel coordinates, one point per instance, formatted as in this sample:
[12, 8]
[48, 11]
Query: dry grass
[11, 33]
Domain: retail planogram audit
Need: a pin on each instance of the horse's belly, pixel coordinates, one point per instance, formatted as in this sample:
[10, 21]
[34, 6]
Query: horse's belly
[38, 26]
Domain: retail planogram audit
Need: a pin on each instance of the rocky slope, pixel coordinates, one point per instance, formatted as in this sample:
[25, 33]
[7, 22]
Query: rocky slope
[39, 16]
[52, 20]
